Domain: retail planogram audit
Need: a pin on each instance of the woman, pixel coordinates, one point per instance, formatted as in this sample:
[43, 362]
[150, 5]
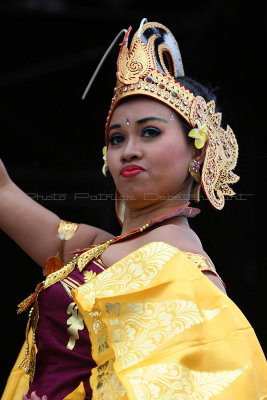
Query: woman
[159, 320]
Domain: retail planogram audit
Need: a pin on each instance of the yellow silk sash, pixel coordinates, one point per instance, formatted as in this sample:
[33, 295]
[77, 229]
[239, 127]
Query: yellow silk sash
[161, 330]
[18, 380]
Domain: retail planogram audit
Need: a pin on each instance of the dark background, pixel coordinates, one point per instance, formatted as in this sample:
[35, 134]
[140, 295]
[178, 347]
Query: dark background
[51, 141]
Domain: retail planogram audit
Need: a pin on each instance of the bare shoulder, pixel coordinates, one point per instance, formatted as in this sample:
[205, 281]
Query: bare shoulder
[85, 236]
[185, 239]
[182, 237]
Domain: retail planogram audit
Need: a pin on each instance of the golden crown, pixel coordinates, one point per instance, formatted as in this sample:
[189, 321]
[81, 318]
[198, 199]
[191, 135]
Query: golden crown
[149, 68]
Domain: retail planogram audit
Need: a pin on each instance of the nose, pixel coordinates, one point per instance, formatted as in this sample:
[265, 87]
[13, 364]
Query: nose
[131, 150]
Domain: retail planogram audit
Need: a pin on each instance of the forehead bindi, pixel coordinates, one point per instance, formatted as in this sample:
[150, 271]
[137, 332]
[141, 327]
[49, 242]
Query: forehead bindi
[136, 111]
[139, 122]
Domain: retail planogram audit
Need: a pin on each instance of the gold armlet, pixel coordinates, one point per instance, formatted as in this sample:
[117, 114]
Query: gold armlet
[66, 229]
[202, 263]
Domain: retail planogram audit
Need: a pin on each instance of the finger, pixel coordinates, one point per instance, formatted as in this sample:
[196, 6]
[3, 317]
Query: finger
[34, 396]
[25, 397]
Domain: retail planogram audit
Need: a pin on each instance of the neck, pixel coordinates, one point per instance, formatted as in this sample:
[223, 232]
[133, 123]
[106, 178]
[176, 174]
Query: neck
[134, 218]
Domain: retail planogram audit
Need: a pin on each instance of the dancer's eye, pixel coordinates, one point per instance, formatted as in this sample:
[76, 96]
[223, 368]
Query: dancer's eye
[115, 138]
[151, 131]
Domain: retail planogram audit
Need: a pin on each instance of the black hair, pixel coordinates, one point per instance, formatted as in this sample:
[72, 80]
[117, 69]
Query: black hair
[198, 89]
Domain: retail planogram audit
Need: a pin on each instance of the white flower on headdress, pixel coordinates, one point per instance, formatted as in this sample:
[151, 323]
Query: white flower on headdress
[105, 166]
[199, 134]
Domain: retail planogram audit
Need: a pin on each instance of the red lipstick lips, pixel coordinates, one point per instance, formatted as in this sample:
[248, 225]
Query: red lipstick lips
[131, 170]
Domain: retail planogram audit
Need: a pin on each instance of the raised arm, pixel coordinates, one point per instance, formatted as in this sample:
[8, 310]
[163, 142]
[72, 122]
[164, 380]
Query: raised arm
[34, 228]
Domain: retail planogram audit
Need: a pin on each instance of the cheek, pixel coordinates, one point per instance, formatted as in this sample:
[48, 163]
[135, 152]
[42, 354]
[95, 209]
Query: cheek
[111, 158]
[110, 162]
[175, 157]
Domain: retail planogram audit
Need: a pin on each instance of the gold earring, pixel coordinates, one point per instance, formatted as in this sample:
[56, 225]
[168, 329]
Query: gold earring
[194, 169]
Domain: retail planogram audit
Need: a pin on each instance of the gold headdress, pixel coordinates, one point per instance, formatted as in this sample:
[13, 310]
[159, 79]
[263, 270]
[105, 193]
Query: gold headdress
[149, 68]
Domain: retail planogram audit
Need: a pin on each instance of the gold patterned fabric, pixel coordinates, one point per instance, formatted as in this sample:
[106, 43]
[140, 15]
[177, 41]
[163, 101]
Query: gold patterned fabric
[161, 330]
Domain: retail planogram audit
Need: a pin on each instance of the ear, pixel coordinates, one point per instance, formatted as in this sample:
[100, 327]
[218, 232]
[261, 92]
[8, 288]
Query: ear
[199, 154]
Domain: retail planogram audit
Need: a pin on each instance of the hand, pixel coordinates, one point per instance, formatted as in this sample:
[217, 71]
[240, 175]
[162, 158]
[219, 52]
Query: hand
[34, 396]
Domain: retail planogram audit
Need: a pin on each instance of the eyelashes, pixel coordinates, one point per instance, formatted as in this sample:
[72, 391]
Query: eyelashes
[151, 131]
[115, 138]
[147, 132]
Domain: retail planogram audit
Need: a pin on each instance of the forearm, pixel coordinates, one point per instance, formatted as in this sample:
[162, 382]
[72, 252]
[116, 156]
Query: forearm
[30, 225]
[35, 229]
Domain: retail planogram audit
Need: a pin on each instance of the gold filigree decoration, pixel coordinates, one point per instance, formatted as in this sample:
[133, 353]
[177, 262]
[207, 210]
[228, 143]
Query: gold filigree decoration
[29, 361]
[129, 273]
[66, 229]
[107, 382]
[99, 329]
[201, 262]
[174, 381]
[137, 74]
[140, 328]
[221, 155]
[88, 255]
[76, 323]
[133, 272]
[88, 275]
[133, 64]
[60, 274]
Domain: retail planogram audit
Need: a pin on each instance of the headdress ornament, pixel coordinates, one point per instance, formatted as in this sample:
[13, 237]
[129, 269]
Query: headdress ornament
[150, 67]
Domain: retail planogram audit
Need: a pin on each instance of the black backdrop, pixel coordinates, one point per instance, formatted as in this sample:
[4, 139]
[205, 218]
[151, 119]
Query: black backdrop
[51, 141]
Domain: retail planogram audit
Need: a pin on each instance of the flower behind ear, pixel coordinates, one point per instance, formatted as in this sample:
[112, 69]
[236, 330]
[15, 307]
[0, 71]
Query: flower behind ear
[199, 134]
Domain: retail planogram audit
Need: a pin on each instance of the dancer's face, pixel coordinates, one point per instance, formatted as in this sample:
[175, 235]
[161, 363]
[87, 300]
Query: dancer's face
[147, 137]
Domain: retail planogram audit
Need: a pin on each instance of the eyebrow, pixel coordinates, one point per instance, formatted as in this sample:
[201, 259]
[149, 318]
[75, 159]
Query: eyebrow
[115, 126]
[143, 120]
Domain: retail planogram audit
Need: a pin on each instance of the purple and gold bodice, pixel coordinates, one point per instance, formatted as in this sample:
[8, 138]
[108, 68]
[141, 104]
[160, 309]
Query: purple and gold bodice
[64, 357]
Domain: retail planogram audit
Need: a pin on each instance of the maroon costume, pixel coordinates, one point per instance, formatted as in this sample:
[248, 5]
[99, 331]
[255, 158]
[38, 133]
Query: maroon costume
[60, 370]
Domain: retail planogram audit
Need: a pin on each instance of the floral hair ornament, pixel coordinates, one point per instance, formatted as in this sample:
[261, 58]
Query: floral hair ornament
[105, 166]
[199, 134]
